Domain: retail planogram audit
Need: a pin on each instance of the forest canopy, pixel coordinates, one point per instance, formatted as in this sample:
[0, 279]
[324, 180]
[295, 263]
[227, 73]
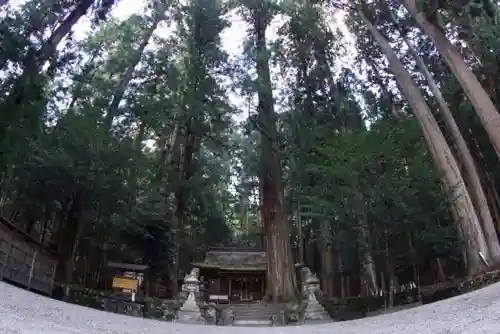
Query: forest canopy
[360, 138]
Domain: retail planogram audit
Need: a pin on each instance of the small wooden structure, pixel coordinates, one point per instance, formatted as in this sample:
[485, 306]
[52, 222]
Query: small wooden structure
[127, 277]
[126, 282]
[24, 260]
[233, 274]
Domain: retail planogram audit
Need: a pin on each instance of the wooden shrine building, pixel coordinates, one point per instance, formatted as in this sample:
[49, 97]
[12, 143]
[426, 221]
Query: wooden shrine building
[233, 274]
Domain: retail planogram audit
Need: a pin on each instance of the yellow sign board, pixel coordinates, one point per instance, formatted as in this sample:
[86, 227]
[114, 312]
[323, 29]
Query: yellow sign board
[125, 283]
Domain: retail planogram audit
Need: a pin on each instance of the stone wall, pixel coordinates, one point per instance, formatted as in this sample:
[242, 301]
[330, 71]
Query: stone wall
[161, 309]
[479, 281]
[152, 308]
[338, 309]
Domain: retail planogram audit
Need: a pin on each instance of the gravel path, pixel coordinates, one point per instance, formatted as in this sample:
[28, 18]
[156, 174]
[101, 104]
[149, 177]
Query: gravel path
[28, 313]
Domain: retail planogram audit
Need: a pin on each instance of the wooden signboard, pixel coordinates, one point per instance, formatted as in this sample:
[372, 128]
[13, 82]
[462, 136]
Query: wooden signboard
[125, 283]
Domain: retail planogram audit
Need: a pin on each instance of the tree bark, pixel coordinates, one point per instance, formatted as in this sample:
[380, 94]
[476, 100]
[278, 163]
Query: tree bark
[485, 109]
[368, 264]
[133, 170]
[68, 241]
[389, 269]
[475, 187]
[128, 74]
[168, 144]
[179, 217]
[441, 275]
[49, 48]
[280, 264]
[462, 207]
[327, 262]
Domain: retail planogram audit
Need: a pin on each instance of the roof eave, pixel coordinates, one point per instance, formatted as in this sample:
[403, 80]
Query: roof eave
[227, 268]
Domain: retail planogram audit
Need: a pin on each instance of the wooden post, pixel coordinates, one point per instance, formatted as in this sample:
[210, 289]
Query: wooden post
[52, 279]
[301, 237]
[247, 288]
[32, 268]
[6, 258]
[342, 286]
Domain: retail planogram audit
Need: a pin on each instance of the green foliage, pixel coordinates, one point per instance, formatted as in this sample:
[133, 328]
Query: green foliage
[349, 150]
[382, 178]
[128, 211]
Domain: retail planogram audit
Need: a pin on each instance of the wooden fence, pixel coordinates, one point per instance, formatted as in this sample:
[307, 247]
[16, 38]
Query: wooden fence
[25, 261]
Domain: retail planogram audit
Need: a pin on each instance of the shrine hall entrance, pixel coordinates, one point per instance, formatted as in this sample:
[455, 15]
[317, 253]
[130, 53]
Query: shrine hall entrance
[245, 288]
[233, 274]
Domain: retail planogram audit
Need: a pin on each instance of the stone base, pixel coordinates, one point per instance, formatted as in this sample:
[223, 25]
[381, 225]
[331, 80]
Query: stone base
[190, 317]
[190, 313]
[317, 316]
[315, 313]
[317, 322]
[253, 323]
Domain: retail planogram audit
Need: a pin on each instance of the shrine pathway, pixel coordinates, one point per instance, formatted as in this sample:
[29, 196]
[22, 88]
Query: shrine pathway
[24, 312]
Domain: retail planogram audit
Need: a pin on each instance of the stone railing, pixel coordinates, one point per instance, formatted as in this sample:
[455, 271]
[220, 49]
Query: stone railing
[279, 319]
[227, 317]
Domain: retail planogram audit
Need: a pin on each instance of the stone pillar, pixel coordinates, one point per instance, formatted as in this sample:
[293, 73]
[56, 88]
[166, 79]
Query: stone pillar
[314, 312]
[228, 316]
[190, 312]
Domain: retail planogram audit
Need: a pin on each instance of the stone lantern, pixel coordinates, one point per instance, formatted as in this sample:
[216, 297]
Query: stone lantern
[190, 311]
[311, 284]
[314, 311]
[191, 284]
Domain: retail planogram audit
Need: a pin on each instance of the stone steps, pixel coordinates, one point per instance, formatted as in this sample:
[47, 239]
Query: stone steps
[256, 316]
[252, 314]
[252, 323]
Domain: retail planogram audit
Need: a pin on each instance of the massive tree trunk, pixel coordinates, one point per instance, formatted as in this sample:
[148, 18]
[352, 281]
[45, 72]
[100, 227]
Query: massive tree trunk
[133, 170]
[69, 239]
[369, 272]
[485, 109]
[34, 62]
[462, 207]
[280, 264]
[471, 174]
[49, 48]
[184, 173]
[86, 72]
[495, 203]
[167, 145]
[368, 265]
[129, 72]
[327, 261]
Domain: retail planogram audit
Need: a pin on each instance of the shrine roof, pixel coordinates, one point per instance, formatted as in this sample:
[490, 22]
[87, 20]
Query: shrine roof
[226, 258]
[127, 266]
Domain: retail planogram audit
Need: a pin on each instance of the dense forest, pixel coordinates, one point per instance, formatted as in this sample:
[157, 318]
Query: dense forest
[146, 141]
